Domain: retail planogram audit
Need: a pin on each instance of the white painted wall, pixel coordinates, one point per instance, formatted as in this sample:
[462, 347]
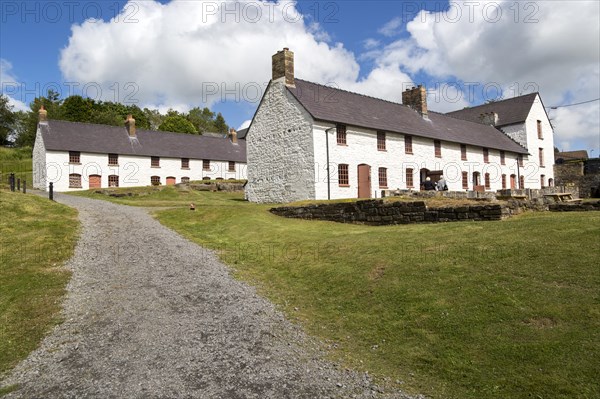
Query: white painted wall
[132, 170]
[532, 170]
[362, 148]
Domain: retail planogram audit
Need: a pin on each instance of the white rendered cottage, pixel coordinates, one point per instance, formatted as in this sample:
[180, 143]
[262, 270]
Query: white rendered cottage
[76, 156]
[309, 141]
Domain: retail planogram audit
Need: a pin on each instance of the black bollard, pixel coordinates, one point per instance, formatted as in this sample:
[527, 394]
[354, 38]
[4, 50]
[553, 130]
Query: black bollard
[51, 191]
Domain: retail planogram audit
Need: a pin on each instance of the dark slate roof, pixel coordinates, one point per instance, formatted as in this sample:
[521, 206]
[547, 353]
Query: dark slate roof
[241, 134]
[571, 155]
[335, 105]
[87, 137]
[510, 111]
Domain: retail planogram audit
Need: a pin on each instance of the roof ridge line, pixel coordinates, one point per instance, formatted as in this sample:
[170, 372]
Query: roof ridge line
[494, 102]
[353, 92]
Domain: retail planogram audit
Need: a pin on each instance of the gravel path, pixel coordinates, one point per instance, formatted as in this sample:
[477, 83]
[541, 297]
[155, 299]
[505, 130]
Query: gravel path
[151, 315]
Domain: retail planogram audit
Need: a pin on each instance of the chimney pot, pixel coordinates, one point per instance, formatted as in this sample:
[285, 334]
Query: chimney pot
[416, 98]
[42, 114]
[283, 66]
[130, 125]
[233, 135]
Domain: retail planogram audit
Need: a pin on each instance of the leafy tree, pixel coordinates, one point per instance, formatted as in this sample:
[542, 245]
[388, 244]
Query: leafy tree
[154, 118]
[7, 119]
[177, 123]
[28, 123]
[220, 124]
[78, 109]
[203, 120]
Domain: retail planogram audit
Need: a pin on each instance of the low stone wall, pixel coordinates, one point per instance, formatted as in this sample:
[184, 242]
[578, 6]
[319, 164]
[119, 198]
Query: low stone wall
[379, 212]
[228, 187]
[566, 207]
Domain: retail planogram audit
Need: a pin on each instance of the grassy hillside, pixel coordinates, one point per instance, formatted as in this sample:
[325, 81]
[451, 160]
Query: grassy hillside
[476, 310]
[36, 237]
[17, 161]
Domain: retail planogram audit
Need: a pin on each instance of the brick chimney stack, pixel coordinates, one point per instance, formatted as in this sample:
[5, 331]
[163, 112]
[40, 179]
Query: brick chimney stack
[130, 125]
[489, 118]
[233, 135]
[416, 98]
[283, 66]
[42, 115]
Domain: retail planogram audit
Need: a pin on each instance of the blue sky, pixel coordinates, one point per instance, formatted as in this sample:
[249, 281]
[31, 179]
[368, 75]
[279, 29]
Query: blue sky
[217, 53]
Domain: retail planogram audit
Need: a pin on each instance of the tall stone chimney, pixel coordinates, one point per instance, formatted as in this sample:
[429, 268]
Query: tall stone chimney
[233, 135]
[283, 66]
[42, 115]
[489, 118]
[416, 98]
[130, 125]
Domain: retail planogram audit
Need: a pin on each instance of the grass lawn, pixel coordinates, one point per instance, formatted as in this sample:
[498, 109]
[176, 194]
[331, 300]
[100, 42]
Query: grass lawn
[17, 161]
[36, 237]
[505, 309]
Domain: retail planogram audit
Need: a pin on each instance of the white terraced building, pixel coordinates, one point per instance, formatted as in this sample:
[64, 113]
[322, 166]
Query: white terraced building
[309, 141]
[80, 156]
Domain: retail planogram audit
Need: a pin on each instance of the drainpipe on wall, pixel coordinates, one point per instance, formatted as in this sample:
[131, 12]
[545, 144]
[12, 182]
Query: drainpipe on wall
[327, 148]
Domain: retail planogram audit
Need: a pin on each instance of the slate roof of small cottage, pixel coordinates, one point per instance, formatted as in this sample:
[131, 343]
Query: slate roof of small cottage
[104, 139]
[340, 106]
[510, 111]
[571, 155]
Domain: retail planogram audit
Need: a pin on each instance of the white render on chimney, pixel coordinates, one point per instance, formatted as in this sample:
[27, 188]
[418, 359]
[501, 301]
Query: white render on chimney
[280, 150]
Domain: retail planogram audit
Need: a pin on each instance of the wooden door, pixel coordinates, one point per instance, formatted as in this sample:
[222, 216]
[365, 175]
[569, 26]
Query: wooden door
[364, 181]
[170, 181]
[513, 182]
[95, 181]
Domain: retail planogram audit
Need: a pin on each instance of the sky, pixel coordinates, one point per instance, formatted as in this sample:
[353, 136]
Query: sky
[194, 53]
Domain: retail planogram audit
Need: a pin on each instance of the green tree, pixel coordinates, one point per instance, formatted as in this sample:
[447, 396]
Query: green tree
[78, 109]
[7, 119]
[28, 122]
[177, 123]
[154, 118]
[220, 124]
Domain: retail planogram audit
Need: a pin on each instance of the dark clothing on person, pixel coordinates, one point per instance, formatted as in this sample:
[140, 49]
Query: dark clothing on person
[429, 185]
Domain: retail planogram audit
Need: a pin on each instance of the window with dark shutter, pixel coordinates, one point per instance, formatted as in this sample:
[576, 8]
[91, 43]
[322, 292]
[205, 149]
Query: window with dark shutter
[155, 162]
[438, 148]
[463, 152]
[465, 180]
[185, 163]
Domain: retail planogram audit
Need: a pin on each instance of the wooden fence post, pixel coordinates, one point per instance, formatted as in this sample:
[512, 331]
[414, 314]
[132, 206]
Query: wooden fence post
[24, 186]
[51, 191]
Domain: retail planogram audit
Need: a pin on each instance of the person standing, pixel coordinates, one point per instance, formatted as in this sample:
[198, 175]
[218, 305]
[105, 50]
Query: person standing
[441, 184]
[429, 185]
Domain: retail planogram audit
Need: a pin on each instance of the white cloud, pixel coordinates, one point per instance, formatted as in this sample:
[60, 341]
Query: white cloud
[10, 86]
[194, 53]
[245, 124]
[392, 27]
[551, 47]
